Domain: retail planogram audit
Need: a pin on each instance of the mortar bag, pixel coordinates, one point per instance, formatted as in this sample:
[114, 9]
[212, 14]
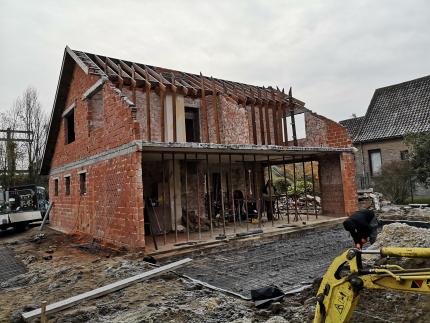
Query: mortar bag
[265, 296]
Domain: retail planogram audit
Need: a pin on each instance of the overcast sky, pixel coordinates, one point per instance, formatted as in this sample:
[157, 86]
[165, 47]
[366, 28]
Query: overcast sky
[333, 53]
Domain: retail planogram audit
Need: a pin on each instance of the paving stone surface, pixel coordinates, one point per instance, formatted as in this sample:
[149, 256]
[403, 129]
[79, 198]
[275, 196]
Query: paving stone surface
[287, 263]
[9, 265]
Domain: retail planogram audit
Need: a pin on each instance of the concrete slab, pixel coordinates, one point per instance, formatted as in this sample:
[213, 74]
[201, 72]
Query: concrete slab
[286, 261]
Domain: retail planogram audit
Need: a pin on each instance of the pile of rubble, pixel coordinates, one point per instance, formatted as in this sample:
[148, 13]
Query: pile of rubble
[408, 213]
[403, 235]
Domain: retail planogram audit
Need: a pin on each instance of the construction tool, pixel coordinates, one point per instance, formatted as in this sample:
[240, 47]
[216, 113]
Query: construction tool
[339, 291]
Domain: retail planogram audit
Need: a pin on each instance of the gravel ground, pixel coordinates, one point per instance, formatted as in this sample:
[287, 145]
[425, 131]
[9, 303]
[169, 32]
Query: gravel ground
[75, 268]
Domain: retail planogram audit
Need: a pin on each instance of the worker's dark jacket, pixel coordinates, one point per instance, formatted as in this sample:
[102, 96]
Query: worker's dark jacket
[359, 225]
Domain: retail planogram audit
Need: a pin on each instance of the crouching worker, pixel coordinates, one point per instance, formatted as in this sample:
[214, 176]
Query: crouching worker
[362, 225]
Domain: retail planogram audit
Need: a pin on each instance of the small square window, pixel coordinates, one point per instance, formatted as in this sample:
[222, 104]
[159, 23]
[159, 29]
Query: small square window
[56, 187]
[404, 155]
[83, 183]
[67, 185]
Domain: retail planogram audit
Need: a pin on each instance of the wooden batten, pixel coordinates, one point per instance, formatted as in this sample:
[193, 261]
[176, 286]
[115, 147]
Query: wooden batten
[204, 109]
[216, 111]
[174, 90]
[293, 122]
[254, 126]
[133, 85]
[260, 110]
[148, 105]
[274, 117]
[266, 109]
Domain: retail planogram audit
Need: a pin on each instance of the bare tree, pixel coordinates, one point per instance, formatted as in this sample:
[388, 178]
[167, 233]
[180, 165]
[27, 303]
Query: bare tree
[32, 119]
[27, 116]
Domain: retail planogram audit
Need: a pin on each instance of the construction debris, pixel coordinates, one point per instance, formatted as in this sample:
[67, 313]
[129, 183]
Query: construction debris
[58, 306]
[403, 235]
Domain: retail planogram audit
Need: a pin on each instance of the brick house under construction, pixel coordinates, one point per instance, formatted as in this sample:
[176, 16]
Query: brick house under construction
[130, 144]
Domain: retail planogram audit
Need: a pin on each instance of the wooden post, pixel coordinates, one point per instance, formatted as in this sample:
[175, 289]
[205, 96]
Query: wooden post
[43, 312]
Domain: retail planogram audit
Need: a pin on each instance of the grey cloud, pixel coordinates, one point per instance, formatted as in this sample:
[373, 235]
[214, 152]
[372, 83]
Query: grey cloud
[333, 53]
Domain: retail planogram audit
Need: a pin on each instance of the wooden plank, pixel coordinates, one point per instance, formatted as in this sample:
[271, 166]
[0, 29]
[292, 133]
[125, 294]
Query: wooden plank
[293, 122]
[284, 112]
[46, 216]
[215, 107]
[174, 89]
[266, 109]
[148, 105]
[274, 118]
[204, 109]
[254, 128]
[98, 292]
[260, 115]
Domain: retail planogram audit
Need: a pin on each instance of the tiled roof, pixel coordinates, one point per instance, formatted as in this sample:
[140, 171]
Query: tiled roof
[396, 111]
[352, 125]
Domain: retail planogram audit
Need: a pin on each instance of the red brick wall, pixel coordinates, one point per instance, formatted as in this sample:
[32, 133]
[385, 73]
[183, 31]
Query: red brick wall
[234, 122]
[348, 181]
[331, 184]
[112, 209]
[119, 127]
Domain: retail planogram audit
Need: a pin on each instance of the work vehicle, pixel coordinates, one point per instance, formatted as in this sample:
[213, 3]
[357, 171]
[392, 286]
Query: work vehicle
[338, 293]
[21, 205]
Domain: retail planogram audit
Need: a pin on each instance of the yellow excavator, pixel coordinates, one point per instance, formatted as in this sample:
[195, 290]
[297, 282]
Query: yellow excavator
[338, 293]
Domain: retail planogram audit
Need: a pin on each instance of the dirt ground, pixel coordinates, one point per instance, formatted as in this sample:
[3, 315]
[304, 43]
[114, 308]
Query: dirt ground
[75, 268]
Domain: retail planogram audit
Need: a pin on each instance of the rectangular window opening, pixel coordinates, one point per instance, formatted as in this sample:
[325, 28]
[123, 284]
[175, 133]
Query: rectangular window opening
[69, 122]
[83, 183]
[375, 162]
[56, 187]
[67, 185]
[192, 125]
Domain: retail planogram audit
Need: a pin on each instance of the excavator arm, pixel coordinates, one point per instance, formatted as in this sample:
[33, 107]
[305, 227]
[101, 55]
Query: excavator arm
[339, 291]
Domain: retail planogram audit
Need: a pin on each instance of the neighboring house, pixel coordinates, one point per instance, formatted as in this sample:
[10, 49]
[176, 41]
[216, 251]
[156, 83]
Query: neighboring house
[394, 112]
[130, 144]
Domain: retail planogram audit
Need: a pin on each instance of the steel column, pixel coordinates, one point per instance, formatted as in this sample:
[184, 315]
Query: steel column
[186, 197]
[209, 194]
[222, 194]
[286, 191]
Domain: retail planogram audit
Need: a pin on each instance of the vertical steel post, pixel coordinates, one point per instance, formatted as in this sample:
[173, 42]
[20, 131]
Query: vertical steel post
[198, 198]
[208, 190]
[269, 173]
[313, 190]
[304, 184]
[174, 198]
[245, 193]
[222, 195]
[231, 193]
[186, 197]
[286, 189]
[257, 193]
[296, 214]
[164, 198]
